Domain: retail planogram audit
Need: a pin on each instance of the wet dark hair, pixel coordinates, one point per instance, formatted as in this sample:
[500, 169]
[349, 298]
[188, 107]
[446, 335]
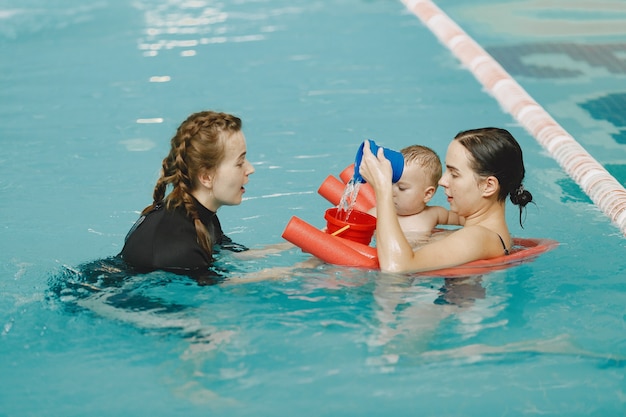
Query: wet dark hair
[495, 152]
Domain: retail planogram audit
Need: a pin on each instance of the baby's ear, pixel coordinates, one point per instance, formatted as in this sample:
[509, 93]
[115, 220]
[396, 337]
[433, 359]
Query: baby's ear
[429, 193]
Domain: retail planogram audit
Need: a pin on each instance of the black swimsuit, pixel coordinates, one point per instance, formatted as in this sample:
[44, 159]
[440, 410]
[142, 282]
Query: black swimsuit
[506, 251]
[166, 240]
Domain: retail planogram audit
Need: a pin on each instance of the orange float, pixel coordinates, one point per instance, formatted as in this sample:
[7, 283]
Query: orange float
[331, 249]
[366, 191]
[332, 190]
[336, 250]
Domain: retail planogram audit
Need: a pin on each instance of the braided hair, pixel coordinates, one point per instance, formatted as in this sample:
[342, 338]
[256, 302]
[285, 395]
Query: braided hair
[198, 146]
[495, 152]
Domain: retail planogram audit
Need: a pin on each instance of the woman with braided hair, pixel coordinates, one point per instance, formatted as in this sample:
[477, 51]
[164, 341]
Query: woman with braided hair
[205, 169]
[483, 167]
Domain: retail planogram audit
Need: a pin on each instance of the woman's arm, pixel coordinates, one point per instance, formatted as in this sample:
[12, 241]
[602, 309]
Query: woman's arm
[456, 248]
[256, 253]
[445, 216]
[274, 273]
[392, 247]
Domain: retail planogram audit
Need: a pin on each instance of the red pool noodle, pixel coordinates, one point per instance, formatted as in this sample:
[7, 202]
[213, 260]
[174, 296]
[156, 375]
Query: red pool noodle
[338, 251]
[330, 249]
[332, 189]
[347, 174]
[367, 251]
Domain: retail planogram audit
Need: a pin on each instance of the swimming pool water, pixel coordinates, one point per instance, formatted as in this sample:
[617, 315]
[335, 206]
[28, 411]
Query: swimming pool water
[89, 98]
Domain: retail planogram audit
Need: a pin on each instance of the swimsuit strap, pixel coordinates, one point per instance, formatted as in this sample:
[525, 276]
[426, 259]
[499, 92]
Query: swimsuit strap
[506, 251]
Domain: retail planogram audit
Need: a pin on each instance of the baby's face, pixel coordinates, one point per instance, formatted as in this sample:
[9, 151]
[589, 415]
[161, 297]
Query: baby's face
[409, 193]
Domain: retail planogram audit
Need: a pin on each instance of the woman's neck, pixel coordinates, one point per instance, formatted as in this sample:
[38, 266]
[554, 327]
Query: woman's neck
[205, 197]
[491, 216]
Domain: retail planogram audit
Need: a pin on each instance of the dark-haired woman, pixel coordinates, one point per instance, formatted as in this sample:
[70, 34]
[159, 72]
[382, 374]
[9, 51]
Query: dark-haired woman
[483, 167]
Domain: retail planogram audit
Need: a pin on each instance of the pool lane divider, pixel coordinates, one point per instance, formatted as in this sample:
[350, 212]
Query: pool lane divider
[601, 187]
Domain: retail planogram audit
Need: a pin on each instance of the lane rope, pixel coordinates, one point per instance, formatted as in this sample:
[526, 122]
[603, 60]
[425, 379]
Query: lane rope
[601, 187]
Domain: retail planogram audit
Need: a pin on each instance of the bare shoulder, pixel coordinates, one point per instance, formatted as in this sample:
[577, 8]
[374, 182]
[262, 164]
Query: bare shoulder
[478, 242]
[458, 247]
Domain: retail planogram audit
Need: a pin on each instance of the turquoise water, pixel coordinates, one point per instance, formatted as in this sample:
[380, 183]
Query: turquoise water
[91, 94]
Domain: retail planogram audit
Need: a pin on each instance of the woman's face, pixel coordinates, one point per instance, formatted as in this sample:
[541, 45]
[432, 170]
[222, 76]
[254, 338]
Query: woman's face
[231, 174]
[459, 181]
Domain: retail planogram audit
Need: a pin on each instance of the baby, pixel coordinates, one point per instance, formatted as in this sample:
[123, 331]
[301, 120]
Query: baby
[411, 194]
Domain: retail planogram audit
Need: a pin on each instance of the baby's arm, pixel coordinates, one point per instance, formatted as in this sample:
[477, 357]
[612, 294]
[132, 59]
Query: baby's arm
[445, 216]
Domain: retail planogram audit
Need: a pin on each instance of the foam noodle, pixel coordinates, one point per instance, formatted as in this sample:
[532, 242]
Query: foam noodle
[365, 250]
[338, 251]
[332, 189]
[330, 249]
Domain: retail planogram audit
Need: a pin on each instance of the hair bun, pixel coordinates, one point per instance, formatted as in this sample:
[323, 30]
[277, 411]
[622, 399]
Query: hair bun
[520, 196]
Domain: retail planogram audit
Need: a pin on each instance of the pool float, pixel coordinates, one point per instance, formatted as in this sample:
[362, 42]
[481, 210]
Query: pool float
[335, 246]
[337, 250]
[330, 248]
[332, 189]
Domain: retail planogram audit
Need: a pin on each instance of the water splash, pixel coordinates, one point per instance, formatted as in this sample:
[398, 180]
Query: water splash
[348, 200]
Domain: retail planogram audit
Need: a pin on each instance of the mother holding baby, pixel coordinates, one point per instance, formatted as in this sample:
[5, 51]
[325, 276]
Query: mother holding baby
[483, 168]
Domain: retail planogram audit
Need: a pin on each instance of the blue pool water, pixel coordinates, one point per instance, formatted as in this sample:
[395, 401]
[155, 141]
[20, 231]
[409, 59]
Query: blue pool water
[90, 95]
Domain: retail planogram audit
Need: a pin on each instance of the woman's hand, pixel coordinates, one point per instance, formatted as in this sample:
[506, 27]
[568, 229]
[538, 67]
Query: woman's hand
[375, 169]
